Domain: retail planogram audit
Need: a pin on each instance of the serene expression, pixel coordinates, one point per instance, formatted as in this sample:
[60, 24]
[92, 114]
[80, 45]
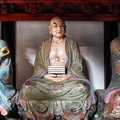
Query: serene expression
[57, 28]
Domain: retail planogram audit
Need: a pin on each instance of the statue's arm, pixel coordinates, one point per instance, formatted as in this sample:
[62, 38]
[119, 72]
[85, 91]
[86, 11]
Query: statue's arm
[40, 65]
[75, 67]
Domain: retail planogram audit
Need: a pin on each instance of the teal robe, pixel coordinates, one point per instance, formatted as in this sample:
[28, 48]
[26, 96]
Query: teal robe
[7, 90]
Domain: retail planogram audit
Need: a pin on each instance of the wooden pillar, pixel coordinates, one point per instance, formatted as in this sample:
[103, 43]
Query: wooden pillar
[110, 33]
[8, 34]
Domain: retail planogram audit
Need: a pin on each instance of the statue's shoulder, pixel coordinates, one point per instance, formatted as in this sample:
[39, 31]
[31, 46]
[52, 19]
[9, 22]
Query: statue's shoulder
[116, 40]
[72, 44]
[2, 43]
[115, 45]
[43, 42]
[71, 40]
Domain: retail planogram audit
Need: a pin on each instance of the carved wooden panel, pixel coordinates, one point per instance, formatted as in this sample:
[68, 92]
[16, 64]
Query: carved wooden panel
[100, 10]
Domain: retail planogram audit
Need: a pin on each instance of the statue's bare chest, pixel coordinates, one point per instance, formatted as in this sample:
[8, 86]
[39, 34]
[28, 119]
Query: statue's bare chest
[57, 54]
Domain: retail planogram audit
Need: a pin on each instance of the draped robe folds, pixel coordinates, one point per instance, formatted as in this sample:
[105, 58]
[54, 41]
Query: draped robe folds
[112, 108]
[42, 98]
[7, 90]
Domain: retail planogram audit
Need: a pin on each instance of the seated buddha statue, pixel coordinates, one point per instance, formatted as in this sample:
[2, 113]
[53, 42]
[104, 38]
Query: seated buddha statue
[58, 88]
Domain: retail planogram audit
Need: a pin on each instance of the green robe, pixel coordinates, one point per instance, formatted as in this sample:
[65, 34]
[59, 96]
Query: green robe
[42, 98]
[112, 94]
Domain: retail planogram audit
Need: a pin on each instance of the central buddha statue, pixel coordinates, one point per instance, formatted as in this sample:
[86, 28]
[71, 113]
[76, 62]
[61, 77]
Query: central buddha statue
[58, 89]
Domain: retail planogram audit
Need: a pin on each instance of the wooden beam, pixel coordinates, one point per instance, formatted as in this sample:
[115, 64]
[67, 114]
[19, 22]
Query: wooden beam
[68, 17]
[61, 1]
[79, 10]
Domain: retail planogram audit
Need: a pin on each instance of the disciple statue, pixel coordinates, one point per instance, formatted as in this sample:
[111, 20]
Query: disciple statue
[7, 90]
[58, 89]
[112, 93]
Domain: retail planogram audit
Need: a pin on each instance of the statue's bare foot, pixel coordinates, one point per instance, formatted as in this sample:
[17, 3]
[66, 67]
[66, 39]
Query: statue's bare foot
[3, 111]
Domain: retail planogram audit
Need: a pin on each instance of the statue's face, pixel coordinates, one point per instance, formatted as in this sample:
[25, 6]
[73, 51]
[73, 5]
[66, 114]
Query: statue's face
[57, 28]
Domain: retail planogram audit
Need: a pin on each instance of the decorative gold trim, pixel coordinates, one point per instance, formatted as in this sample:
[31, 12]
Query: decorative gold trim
[4, 49]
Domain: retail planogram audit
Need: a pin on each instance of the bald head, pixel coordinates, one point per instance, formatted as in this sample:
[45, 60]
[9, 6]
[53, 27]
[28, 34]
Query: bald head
[57, 27]
[52, 21]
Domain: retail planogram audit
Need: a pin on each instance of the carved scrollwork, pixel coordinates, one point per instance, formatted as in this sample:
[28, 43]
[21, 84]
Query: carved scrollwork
[84, 10]
[90, 8]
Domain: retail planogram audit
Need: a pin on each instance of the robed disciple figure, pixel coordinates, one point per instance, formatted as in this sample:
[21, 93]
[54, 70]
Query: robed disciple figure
[7, 90]
[112, 93]
[58, 88]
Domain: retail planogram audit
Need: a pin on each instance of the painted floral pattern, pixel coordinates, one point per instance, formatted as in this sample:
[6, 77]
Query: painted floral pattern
[55, 89]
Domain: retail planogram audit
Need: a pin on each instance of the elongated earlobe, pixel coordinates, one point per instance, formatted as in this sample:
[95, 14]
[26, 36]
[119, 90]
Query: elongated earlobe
[50, 29]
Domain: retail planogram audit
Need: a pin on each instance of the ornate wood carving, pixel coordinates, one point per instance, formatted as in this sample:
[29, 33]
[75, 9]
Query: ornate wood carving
[100, 10]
